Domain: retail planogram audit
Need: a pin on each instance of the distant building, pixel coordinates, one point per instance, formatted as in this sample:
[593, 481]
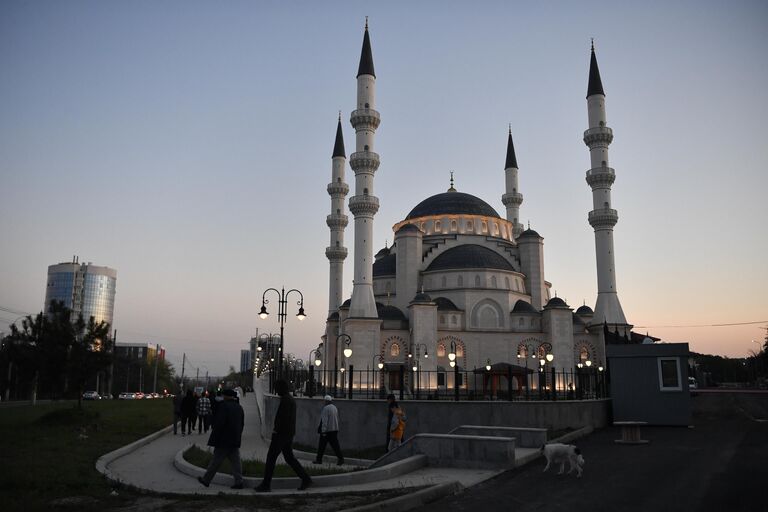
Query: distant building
[84, 288]
[139, 352]
[245, 361]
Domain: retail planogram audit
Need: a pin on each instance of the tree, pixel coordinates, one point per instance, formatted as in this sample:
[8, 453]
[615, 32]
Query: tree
[53, 350]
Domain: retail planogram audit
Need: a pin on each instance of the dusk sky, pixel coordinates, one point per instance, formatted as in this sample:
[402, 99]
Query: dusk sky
[188, 146]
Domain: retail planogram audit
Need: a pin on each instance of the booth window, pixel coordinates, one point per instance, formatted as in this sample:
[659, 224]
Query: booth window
[669, 374]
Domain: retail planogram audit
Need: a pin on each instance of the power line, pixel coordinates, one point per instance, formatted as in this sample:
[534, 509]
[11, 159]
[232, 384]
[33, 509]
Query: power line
[703, 325]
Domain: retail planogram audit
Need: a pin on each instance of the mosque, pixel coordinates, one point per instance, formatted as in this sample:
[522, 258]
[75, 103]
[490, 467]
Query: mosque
[461, 285]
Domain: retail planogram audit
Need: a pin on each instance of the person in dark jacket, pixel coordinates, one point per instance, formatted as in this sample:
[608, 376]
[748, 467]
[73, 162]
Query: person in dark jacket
[282, 439]
[177, 399]
[188, 412]
[225, 439]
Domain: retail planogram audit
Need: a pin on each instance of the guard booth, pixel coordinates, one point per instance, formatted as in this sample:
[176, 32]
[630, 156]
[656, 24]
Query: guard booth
[649, 383]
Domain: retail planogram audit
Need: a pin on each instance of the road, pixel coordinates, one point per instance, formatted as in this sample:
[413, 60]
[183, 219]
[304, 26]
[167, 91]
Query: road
[717, 465]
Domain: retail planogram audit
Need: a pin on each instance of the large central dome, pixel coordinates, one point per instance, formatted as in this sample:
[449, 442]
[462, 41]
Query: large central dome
[452, 203]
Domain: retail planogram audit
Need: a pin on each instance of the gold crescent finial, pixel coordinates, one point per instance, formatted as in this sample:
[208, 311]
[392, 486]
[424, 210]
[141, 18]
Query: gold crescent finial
[593, 43]
[366, 23]
[339, 115]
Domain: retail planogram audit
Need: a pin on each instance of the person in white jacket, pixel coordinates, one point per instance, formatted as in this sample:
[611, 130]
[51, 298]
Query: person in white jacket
[329, 431]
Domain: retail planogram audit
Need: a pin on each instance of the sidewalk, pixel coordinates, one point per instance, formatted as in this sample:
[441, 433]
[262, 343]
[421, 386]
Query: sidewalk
[151, 467]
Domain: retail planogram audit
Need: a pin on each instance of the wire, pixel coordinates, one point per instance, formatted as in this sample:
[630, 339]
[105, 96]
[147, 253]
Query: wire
[703, 325]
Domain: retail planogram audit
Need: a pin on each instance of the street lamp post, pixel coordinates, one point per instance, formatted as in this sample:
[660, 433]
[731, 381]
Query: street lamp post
[452, 363]
[417, 365]
[528, 350]
[347, 354]
[374, 366]
[311, 368]
[282, 313]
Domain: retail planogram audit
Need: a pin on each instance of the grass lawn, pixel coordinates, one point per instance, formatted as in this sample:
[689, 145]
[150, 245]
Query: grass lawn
[43, 458]
[200, 457]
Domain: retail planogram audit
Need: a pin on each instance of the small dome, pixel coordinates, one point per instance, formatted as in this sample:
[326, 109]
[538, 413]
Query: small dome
[452, 203]
[334, 317]
[422, 297]
[470, 256]
[408, 228]
[556, 302]
[444, 304]
[346, 304]
[585, 310]
[389, 312]
[522, 306]
[529, 232]
[385, 266]
[382, 252]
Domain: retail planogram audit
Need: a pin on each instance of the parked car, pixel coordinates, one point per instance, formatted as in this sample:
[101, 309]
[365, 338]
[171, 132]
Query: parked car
[127, 396]
[91, 395]
[139, 395]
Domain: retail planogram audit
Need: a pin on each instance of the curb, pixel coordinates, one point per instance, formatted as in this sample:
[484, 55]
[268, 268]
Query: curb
[412, 500]
[289, 483]
[106, 459]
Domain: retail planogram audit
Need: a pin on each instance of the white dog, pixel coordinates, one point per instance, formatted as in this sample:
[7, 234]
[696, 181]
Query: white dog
[558, 452]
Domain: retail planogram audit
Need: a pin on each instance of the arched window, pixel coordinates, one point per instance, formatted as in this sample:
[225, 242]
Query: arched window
[485, 227]
[453, 225]
[477, 281]
[365, 191]
[394, 350]
[459, 350]
[440, 350]
[583, 354]
[437, 226]
[469, 225]
[506, 282]
[444, 282]
[493, 281]
[442, 319]
[461, 281]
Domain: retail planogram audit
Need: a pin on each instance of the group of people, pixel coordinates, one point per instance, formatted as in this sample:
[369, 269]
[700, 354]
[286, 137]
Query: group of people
[194, 410]
[228, 420]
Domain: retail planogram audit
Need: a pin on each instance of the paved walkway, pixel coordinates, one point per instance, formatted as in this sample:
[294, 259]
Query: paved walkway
[150, 467]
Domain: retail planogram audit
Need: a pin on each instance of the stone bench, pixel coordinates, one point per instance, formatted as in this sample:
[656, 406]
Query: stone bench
[453, 450]
[525, 437]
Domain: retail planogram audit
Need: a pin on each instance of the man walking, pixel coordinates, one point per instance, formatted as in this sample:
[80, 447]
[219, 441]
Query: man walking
[227, 430]
[282, 439]
[177, 399]
[203, 413]
[329, 431]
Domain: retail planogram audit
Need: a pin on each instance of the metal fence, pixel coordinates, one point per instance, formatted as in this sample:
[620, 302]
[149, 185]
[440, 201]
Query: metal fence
[455, 384]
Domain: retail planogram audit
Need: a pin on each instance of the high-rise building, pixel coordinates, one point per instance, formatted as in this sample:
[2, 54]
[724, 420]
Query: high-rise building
[84, 288]
[245, 360]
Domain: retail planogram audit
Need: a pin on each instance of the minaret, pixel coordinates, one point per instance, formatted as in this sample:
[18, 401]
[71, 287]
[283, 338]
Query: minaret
[337, 221]
[512, 199]
[603, 217]
[364, 205]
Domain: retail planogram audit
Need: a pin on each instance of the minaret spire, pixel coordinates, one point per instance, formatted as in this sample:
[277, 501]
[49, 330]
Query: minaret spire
[603, 217]
[366, 56]
[338, 147]
[595, 85]
[337, 221]
[364, 204]
[512, 199]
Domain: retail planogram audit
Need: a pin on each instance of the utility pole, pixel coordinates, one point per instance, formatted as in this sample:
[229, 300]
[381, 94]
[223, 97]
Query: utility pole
[206, 379]
[112, 364]
[197, 377]
[141, 378]
[183, 362]
[157, 358]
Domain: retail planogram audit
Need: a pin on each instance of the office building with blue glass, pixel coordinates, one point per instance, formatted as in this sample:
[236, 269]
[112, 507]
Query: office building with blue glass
[84, 288]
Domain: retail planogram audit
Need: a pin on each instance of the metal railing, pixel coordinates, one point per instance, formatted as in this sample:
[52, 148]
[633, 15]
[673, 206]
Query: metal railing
[454, 384]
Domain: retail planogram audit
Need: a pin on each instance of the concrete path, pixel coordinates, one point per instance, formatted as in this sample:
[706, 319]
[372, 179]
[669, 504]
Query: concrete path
[151, 467]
